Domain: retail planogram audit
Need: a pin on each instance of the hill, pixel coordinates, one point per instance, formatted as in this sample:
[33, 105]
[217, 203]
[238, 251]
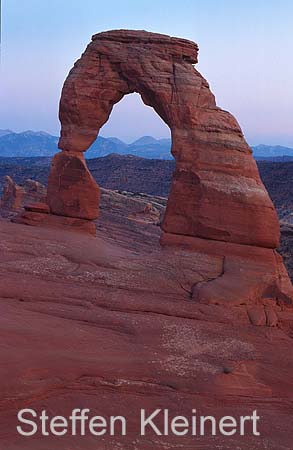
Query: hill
[39, 144]
[27, 144]
[5, 132]
[272, 151]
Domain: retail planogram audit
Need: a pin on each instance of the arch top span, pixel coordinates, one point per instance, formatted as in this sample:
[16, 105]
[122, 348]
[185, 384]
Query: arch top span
[177, 46]
[216, 191]
[119, 62]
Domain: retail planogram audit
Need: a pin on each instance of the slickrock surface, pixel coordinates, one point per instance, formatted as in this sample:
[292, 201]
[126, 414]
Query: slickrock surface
[111, 323]
[124, 205]
[216, 191]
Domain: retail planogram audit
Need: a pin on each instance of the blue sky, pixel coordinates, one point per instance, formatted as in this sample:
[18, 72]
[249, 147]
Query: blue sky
[245, 54]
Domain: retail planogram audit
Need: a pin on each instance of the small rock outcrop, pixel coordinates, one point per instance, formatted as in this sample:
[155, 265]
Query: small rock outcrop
[14, 196]
[109, 323]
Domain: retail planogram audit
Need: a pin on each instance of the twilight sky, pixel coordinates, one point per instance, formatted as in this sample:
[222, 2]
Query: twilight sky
[245, 54]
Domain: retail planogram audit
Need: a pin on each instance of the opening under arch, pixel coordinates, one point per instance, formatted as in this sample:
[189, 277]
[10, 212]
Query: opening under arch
[133, 128]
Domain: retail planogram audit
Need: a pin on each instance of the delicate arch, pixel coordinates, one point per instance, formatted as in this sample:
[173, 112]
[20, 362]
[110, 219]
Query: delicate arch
[216, 190]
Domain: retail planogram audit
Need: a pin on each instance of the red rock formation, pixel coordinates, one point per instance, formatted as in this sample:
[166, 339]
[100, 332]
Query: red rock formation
[72, 191]
[216, 190]
[14, 196]
[149, 214]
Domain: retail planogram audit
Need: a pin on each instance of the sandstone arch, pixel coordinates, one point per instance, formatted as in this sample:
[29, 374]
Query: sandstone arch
[216, 191]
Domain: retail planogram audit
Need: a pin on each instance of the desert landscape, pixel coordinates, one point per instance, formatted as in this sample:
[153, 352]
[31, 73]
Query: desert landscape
[140, 283]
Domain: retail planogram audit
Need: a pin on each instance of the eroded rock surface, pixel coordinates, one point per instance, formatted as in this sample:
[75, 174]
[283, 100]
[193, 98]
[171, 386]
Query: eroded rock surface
[247, 274]
[111, 323]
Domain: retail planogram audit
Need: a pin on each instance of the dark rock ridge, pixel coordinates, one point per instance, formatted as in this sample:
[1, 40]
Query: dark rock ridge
[286, 248]
[278, 178]
[134, 174]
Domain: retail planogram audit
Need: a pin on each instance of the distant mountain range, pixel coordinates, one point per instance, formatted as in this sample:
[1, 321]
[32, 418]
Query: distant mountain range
[4, 132]
[272, 152]
[27, 144]
[40, 144]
